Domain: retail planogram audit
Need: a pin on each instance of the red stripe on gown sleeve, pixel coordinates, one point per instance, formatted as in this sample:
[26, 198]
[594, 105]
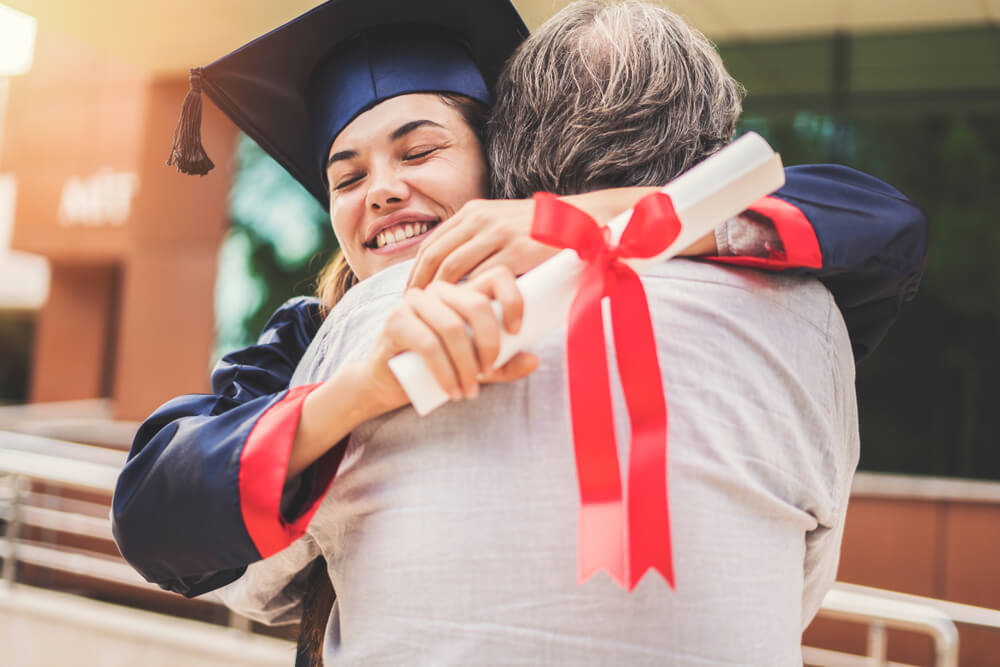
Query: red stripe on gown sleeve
[797, 236]
[263, 466]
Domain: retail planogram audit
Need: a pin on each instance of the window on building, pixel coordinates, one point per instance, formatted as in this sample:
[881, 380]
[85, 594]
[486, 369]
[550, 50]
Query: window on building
[922, 112]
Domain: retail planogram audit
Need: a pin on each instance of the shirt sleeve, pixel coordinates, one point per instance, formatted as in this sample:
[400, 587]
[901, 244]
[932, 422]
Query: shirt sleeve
[272, 591]
[203, 492]
[747, 236]
[865, 240]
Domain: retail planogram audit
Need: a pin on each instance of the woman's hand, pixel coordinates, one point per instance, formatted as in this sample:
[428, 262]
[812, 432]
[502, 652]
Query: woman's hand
[436, 323]
[482, 235]
[455, 330]
[485, 234]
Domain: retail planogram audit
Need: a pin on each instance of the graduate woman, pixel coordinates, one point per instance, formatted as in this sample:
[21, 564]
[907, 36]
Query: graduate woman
[373, 107]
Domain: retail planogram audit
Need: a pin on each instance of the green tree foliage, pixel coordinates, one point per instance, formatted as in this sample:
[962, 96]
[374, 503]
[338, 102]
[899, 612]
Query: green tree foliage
[279, 240]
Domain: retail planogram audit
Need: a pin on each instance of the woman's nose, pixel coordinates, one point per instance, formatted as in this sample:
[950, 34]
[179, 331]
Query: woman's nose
[386, 188]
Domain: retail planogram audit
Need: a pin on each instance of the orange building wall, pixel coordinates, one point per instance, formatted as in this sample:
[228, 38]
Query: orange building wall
[139, 272]
[178, 223]
[72, 334]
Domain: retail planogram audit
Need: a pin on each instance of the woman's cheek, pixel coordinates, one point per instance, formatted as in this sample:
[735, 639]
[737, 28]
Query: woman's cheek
[343, 217]
[472, 173]
[463, 177]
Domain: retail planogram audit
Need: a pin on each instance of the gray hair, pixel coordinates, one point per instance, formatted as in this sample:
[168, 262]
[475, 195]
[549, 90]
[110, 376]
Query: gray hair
[609, 95]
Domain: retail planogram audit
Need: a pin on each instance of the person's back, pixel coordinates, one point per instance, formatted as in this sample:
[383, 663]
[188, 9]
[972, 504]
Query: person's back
[451, 539]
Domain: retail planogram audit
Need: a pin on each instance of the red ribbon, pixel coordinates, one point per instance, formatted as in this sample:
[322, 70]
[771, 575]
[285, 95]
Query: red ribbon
[624, 538]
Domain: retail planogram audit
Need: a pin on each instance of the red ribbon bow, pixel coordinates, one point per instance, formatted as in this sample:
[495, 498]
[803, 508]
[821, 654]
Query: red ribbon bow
[626, 549]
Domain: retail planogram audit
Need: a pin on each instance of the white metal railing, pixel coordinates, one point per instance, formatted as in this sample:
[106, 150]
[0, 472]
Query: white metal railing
[26, 458]
[881, 613]
[882, 610]
[964, 614]
[68, 464]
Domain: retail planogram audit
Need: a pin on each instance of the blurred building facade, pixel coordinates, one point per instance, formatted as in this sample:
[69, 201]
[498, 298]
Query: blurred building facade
[85, 148]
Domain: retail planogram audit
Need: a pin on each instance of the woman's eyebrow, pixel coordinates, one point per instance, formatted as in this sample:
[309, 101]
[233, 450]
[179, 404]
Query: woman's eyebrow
[406, 128]
[342, 155]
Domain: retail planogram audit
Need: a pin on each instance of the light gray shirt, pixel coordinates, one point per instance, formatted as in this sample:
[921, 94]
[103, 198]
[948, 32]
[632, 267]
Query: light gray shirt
[451, 539]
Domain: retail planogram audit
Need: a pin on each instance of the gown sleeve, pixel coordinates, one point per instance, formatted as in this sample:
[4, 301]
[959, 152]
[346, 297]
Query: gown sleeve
[203, 492]
[865, 240]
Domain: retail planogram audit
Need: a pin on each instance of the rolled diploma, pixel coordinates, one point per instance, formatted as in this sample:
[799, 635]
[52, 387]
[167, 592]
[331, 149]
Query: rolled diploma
[705, 196]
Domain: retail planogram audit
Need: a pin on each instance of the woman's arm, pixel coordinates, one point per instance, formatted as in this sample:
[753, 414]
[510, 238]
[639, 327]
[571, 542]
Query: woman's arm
[486, 233]
[454, 329]
[863, 238]
[216, 482]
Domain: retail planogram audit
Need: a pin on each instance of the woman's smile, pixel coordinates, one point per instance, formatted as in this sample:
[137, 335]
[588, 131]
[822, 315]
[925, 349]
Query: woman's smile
[399, 230]
[393, 237]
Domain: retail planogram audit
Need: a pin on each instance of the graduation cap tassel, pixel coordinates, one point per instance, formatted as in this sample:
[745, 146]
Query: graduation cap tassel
[187, 154]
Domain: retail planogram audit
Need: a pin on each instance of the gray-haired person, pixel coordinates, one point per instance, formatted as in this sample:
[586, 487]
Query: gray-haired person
[451, 539]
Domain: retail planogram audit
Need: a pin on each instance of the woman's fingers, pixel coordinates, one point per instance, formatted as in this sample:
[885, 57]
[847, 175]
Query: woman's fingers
[500, 283]
[463, 258]
[476, 309]
[519, 366]
[473, 303]
[475, 234]
[453, 337]
[440, 243]
[456, 331]
[406, 330]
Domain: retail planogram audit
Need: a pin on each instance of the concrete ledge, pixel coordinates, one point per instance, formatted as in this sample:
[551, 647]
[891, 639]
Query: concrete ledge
[39, 628]
[89, 421]
[912, 487]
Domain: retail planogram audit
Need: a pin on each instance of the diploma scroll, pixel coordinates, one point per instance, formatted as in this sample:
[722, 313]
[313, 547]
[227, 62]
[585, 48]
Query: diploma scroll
[704, 197]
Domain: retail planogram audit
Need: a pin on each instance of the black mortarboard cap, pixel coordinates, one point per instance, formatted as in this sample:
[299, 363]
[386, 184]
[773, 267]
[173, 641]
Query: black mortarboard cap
[295, 88]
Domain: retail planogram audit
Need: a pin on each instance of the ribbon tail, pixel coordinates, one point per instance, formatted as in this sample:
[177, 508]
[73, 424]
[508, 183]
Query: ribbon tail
[649, 543]
[601, 541]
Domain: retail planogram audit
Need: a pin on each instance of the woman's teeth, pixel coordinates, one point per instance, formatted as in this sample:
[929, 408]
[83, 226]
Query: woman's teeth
[400, 233]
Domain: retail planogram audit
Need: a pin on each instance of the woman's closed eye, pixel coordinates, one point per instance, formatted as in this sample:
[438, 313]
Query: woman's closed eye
[420, 153]
[348, 181]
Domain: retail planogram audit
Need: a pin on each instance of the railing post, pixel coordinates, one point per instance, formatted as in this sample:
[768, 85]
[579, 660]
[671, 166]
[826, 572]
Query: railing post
[14, 484]
[946, 646]
[878, 643]
[239, 622]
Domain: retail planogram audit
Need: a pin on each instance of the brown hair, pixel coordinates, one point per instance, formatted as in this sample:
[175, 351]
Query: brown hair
[608, 95]
[336, 277]
[317, 604]
[334, 281]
